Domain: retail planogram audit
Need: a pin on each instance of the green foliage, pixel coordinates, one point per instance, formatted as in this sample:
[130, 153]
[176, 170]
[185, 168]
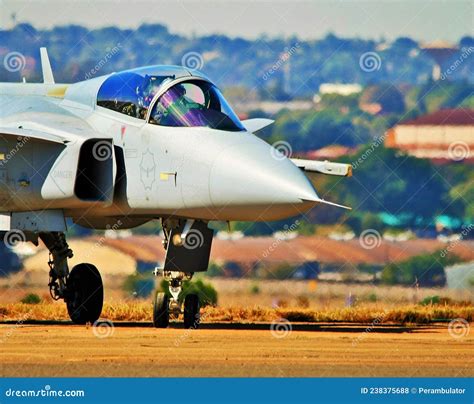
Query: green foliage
[31, 298]
[387, 95]
[444, 94]
[255, 289]
[281, 271]
[299, 226]
[372, 297]
[341, 102]
[426, 270]
[372, 221]
[460, 198]
[436, 300]
[309, 130]
[140, 285]
[206, 292]
[214, 270]
[430, 300]
[386, 182]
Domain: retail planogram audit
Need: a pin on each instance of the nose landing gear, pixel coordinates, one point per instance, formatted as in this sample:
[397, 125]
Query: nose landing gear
[188, 246]
[165, 307]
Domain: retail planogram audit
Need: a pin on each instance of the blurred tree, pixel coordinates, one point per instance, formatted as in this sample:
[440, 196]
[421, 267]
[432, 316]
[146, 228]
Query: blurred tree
[426, 270]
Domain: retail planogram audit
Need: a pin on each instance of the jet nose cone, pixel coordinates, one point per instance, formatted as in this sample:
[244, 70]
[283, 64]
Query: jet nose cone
[252, 181]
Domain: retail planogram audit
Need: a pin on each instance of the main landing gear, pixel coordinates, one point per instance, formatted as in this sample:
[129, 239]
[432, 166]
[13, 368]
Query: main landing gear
[81, 289]
[165, 307]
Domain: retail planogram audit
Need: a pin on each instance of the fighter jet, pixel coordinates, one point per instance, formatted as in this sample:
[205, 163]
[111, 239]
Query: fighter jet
[117, 151]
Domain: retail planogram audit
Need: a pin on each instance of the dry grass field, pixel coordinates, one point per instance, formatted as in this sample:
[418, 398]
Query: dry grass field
[250, 300]
[141, 311]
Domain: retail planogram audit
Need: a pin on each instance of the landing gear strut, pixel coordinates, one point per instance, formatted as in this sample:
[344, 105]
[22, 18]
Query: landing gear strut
[188, 246]
[81, 289]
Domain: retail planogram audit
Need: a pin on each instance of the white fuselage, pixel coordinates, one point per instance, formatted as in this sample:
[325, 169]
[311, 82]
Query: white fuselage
[159, 171]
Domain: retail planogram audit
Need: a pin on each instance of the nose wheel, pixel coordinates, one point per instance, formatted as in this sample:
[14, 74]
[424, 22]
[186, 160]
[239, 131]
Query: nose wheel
[161, 315]
[191, 311]
[165, 307]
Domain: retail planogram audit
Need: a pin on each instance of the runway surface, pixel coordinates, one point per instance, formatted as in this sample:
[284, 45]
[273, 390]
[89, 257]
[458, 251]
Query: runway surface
[136, 349]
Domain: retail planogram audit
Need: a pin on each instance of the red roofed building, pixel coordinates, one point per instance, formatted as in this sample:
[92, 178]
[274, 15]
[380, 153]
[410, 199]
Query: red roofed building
[445, 135]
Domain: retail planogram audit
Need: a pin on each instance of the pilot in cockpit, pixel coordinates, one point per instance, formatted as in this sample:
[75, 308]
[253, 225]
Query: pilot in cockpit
[145, 94]
[173, 107]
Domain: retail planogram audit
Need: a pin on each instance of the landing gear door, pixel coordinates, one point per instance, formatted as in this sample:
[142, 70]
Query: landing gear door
[190, 254]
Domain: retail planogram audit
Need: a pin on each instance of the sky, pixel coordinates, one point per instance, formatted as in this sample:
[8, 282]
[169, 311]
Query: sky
[423, 20]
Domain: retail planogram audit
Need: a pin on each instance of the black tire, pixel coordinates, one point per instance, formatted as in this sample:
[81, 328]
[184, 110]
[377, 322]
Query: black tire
[191, 311]
[85, 294]
[161, 315]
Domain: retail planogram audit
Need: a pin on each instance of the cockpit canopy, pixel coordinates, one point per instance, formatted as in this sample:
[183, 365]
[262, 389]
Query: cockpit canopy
[174, 97]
